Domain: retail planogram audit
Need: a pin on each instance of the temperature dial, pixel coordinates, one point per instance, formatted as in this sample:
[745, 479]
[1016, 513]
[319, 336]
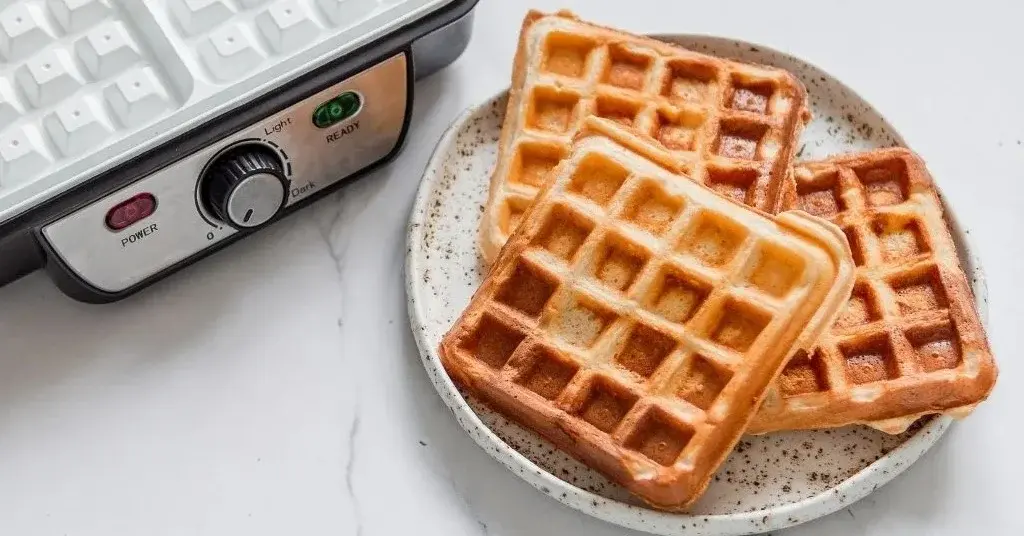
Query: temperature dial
[244, 187]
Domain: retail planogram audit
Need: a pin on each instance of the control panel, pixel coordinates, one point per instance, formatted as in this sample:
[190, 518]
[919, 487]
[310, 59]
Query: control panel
[237, 184]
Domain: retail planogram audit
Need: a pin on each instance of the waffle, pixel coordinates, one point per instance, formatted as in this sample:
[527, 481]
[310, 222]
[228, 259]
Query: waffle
[733, 125]
[636, 318]
[909, 341]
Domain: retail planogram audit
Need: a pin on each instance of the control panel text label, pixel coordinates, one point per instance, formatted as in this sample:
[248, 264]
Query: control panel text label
[138, 235]
[277, 127]
[342, 132]
[308, 187]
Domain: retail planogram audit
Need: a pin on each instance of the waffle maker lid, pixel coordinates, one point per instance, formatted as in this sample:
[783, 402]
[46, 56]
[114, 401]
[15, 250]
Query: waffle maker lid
[86, 85]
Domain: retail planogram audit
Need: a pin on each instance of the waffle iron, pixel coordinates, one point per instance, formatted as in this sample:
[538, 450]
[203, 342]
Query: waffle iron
[138, 136]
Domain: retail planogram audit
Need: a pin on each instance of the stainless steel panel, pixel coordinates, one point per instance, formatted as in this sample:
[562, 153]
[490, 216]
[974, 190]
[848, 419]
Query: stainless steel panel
[179, 228]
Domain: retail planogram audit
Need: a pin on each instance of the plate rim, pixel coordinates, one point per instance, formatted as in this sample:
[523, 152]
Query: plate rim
[859, 485]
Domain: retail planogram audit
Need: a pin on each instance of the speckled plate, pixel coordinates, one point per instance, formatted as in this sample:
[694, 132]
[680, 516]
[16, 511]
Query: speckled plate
[769, 482]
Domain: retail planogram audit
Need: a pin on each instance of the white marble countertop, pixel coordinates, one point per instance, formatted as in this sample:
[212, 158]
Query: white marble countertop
[275, 388]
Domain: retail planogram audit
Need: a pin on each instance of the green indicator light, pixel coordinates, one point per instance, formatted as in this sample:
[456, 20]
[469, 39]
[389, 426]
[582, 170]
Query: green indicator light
[349, 100]
[321, 118]
[337, 109]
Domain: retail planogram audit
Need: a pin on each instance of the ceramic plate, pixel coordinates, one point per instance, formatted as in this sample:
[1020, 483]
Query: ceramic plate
[769, 482]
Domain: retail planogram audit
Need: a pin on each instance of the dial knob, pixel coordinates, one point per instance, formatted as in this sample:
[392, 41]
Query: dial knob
[245, 186]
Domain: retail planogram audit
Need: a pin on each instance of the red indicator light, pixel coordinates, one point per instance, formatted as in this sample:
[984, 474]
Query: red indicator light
[131, 211]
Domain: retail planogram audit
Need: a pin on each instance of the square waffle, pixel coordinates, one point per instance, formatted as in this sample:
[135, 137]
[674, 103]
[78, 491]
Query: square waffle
[636, 318]
[909, 341]
[734, 125]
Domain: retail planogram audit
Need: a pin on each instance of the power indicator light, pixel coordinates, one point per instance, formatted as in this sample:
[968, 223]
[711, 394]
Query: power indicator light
[132, 211]
[337, 109]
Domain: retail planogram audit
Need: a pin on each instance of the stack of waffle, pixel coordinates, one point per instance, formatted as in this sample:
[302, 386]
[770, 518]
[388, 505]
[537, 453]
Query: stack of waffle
[664, 278]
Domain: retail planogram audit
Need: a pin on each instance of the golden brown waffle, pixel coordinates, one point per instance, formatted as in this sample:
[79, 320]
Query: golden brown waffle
[636, 318]
[909, 342]
[733, 125]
